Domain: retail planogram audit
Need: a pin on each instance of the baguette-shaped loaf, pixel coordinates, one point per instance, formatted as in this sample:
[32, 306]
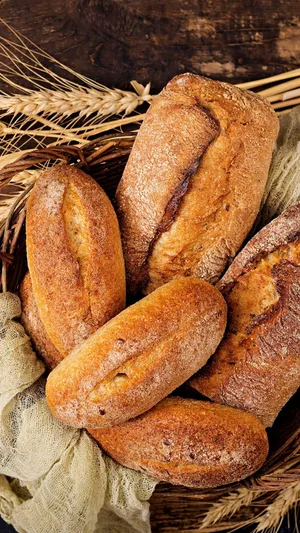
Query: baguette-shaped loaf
[194, 180]
[189, 442]
[74, 256]
[257, 365]
[34, 327]
[138, 357]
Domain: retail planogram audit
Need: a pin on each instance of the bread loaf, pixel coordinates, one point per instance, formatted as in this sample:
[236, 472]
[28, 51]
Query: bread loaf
[34, 327]
[138, 357]
[189, 442]
[74, 256]
[194, 180]
[257, 365]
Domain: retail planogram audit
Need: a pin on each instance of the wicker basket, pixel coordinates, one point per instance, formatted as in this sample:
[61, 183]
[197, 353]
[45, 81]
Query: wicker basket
[261, 499]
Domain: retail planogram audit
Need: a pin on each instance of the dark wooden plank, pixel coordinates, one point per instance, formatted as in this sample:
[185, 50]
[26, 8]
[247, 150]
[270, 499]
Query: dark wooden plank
[114, 41]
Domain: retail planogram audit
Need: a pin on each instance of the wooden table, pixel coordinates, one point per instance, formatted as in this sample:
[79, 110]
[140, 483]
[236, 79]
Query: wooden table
[116, 41]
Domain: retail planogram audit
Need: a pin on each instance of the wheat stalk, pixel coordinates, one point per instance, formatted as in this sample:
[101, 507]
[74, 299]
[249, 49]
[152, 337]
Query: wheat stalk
[286, 86]
[271, 79]
[275, 512]
[68, 134]
[82, 101]
[229, 505]
[50, 106]
[16, 186]
[280, 476]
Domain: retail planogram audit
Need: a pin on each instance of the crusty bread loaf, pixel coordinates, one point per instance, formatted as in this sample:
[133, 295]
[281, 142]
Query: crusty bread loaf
[194, 180]
[189, 442]
[257, 365]
[74, 255]
[138, 357]
[34, 327]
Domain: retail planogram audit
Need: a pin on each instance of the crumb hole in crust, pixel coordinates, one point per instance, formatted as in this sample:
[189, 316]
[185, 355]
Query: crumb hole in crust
[102, 412]
[120, 375]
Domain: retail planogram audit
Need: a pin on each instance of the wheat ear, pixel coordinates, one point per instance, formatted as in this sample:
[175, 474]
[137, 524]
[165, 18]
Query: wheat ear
[276, 511]
[48, 105]
[82, 101]
[229, 505]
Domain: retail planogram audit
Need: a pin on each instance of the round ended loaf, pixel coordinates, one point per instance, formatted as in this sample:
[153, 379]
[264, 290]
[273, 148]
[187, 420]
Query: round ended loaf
[74, 256]
[189, 442]
[138, 357]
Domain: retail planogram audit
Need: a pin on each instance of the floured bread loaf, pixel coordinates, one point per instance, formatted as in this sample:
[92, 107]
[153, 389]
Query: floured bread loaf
[74, 256]
[138, 357]
[193, 184]
[257, 365]
[189, 442]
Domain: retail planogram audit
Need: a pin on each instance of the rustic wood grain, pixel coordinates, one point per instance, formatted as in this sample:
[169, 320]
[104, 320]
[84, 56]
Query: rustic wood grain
[114, 41]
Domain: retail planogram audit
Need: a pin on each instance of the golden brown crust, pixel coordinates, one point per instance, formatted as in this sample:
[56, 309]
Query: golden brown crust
[283, 230]
[205, 148]
[257, 365]
[74, 255]
[139, 357]
[34, 327]
[189, 442]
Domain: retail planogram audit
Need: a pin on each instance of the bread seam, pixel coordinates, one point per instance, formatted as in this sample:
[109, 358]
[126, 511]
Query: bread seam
[180, 191]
